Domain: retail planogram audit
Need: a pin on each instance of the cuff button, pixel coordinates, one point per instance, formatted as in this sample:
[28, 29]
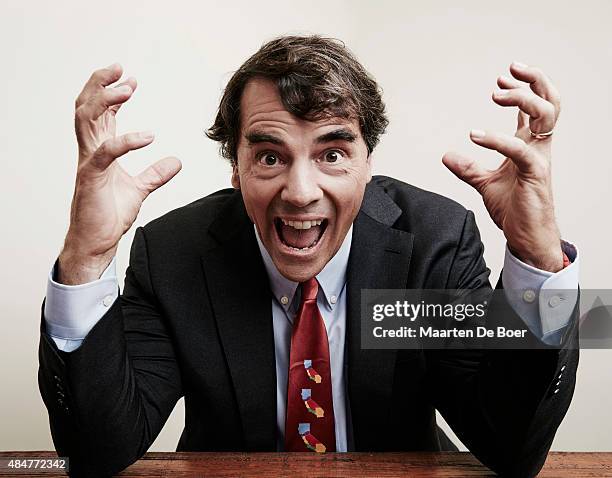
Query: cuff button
[107, 301]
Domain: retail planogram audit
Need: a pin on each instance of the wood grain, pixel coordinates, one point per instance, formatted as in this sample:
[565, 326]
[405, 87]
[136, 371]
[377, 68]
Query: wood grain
[353, 465]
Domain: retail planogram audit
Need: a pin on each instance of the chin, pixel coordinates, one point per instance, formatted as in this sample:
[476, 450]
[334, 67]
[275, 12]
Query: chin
[299, 272]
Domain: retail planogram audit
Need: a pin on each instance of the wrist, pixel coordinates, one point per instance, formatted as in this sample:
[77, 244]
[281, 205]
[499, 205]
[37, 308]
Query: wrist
[75, 268]
[551, 260]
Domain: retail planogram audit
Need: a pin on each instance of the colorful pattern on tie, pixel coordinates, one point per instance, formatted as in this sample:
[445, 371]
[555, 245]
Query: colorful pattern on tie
[312, 373]
[309, 439]
[312, 406]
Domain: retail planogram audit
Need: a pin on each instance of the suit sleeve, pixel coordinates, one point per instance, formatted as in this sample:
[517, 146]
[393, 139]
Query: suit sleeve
[108, 400]
[505, 405]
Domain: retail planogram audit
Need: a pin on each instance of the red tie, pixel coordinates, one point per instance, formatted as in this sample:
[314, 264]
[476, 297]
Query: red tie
[309, 424]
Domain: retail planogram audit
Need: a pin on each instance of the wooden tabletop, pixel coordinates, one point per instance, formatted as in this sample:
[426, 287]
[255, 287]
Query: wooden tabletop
[416, 464]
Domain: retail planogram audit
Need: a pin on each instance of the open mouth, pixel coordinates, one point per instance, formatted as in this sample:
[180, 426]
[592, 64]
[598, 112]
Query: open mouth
[300, 235]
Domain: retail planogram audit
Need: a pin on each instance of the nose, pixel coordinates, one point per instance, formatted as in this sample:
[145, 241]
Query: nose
[301, 187]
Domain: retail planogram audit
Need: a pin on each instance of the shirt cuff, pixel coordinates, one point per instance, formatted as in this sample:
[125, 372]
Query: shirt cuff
[543, 300]
[71, 311]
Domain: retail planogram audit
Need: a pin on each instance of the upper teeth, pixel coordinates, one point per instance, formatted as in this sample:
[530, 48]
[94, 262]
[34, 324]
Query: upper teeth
[302, 224]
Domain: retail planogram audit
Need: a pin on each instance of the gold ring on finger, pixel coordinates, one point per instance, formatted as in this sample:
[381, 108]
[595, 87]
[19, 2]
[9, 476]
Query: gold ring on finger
[541, 135]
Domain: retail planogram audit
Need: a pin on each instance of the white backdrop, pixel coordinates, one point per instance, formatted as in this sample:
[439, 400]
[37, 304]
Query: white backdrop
[437, 64]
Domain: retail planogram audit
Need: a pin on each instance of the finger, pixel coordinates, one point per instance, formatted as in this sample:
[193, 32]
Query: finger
[131, 82]
[522, 120]
[510, 146]
[539, 83]
[158, 174]
[508, 83]
[98, 80]
[99, 103]
[114, 148]
[466, 169]
[541, 112]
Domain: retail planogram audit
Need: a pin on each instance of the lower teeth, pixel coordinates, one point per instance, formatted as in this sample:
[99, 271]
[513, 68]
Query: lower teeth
[302, 248]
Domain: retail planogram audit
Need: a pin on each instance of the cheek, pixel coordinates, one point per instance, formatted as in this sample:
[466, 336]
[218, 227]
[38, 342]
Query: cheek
[258, 195]
[347, 196]
[349, 206]
[350, 182]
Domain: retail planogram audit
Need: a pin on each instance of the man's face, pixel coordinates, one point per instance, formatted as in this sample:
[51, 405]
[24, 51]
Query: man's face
[302, 181]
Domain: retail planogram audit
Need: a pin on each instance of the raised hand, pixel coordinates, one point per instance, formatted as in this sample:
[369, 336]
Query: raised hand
[106, 198]
[518, 194]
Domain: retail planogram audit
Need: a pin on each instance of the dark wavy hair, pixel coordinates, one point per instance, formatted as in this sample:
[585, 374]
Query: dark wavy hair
[317, 77]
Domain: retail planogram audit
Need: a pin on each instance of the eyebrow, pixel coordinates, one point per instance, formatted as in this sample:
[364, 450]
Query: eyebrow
[255, 137]
[340, 134]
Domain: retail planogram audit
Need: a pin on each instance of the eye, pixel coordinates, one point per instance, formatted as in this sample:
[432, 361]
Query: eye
[333, 156]
[269, 159]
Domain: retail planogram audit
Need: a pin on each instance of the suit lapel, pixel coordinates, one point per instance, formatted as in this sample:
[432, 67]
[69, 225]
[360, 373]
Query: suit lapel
[240, 297]
[379, 259]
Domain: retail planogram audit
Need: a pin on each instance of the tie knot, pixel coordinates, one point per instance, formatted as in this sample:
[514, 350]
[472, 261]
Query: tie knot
[310, 289]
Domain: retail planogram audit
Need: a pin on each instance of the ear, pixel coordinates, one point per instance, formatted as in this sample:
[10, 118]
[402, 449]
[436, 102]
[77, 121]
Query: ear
[369, 168]
[235, 176]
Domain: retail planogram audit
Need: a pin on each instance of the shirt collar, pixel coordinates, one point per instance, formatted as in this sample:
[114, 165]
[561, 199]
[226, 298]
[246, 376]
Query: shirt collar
[331, 279]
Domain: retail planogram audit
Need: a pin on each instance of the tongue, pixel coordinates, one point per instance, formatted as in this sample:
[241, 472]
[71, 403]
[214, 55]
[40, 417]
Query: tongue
[300, 238]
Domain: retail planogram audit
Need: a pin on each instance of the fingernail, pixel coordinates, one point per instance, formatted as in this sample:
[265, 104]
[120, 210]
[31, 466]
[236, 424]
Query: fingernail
[124, 89]
[477, 134]
[518, 64]
[112, 66]
[147, 135]
[500, 92]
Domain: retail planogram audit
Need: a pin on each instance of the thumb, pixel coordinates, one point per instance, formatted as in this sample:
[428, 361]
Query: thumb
[158, 174]
[466, 169]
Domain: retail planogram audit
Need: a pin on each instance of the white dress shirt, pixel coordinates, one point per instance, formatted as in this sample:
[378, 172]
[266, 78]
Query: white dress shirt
[544, 300]
[331, 300]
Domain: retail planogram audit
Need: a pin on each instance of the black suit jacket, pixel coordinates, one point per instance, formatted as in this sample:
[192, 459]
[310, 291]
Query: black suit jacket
[195, 320]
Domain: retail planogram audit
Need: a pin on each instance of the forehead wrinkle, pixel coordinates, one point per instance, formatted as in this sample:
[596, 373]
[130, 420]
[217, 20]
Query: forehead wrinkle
[265, 117]
[267, 127]
[261, 98]
[344, 132]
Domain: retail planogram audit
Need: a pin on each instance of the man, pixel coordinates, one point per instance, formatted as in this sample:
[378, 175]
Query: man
[246, 302]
